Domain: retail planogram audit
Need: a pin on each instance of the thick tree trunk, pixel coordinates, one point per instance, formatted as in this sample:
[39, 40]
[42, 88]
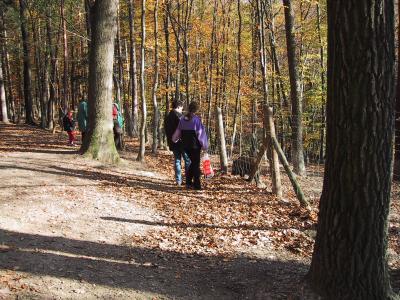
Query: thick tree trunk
[133, 68]
[349, 259]
[27, 64]
[99, 143]
[297, 111]
[396, 170]
[143, 85]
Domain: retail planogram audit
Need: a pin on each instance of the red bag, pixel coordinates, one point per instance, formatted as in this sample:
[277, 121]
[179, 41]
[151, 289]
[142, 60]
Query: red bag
[208, 171]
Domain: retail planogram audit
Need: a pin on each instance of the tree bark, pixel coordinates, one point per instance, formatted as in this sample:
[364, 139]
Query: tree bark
[6, 70]
[322, 75]
[268, 117]
[39, 72]
[3, 104]
[349, 259]
[168, 60]
[211, 66]
[65, 97]
[6, 81]
[297, 111]
[222, 143]
[99, 143]
[143, 85]
[53, 73]
[27, 65]
[396, 169]
[292, 177]
[239, 74]
[156, 111]
[133, 68]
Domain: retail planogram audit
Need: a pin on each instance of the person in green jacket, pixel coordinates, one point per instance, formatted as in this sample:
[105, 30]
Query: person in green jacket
[118, 123]
[82, 117]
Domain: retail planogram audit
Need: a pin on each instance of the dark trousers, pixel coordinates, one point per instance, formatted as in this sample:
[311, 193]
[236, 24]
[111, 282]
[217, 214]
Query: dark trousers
[193, 175]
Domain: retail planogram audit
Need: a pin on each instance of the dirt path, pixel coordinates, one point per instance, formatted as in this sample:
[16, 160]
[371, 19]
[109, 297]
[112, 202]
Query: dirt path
[61, 239]
[74, 229]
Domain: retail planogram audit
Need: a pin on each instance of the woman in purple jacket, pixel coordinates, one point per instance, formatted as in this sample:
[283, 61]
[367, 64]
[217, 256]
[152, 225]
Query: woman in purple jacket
[194, 138]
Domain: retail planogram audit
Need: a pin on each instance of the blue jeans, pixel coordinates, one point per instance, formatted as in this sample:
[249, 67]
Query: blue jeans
[178, 155]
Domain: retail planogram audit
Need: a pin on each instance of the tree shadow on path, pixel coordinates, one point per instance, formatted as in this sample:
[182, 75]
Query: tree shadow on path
[149, 270]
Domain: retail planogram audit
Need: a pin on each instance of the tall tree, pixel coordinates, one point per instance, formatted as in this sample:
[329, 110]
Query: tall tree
[133, 68]
[52, 50]
[239, 75]
[3, 104]
[6, 69]
[99, 143]
[143, 85]
[65, 97]
[27, 64]
[349, 259]
[156, 111]
[297, 111]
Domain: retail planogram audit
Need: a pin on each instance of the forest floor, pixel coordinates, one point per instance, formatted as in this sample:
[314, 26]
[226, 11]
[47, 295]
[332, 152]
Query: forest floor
[71, 228]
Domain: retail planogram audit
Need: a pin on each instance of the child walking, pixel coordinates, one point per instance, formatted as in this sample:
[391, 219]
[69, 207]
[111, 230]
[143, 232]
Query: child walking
[69, 126]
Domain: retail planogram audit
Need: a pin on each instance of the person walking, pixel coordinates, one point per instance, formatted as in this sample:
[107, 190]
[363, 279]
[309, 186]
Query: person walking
[193, 135]
[82, 117]
[118, 123]
[69, 126]
[170, 124]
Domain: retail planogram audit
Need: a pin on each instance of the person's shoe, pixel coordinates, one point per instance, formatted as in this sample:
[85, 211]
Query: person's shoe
[197, 188]
[178, 183]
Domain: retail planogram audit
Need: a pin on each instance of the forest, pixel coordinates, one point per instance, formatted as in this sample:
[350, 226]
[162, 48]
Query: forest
[298, 97]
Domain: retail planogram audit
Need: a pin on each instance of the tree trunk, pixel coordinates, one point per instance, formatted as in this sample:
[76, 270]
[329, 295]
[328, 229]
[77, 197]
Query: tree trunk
[239, 74]
[168, 61]
[143, 86]
[322, 75]
[53, 73]
[211, 66]
[156, 111]
[3, 104]
[268, 117]
[99, 143]
[188, 14]
[27, 65]
[349, 259]
[39, 72]
[6, 70]
[222, 143]
[292, 177]
[133, 68]
[396, 170]
[65, 45]
[297, 111]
